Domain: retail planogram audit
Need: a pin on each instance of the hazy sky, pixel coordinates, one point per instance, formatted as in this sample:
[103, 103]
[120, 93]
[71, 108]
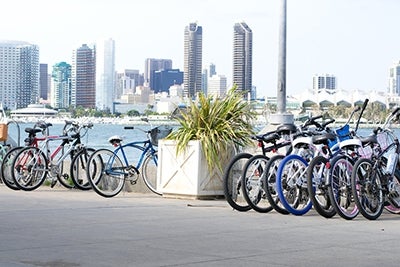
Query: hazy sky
[355, 40]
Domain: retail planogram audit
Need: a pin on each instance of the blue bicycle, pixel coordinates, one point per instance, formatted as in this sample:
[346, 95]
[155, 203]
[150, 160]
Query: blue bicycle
[108, 170]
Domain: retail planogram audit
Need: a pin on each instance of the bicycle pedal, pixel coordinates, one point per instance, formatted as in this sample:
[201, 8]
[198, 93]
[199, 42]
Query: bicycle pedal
[53, 183]
[133, 182]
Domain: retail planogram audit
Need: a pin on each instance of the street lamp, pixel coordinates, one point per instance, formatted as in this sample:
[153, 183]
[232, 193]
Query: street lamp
[281, 117]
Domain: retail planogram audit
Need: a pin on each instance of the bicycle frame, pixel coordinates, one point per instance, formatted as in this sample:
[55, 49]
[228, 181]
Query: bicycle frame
[144, 146]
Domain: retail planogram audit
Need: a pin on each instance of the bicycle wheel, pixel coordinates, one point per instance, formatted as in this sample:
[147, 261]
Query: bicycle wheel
[29, 168]
[339, 187]
[317, 173]
[269, 184]
[291, 184]
[6, 168]
[232, 182]
[78, 169]
[149, 172]
[253, 190]
[62, 171]
[394, 208]
[106, 173]
[367, 189]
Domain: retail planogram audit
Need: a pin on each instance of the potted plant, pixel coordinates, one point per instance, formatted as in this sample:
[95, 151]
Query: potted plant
[192, 157]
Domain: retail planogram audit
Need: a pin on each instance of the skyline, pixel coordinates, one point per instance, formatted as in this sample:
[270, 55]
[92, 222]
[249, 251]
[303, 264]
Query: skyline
[355, 40]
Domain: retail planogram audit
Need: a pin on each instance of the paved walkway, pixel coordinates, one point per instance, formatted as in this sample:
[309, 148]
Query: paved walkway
[58, 227]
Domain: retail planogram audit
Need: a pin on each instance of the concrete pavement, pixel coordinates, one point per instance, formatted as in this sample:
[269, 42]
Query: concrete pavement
[58, 227]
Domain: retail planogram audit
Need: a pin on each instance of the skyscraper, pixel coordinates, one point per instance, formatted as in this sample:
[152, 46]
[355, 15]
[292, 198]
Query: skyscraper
[153, 64]
[242, 56]
[60, 96]
[207, 73]
[19, 75]
[105, 74]
[193, 55]
[44, 81]
[164, 79]
[394, 79]
[127, 80]
[83, 91]
[324, 82]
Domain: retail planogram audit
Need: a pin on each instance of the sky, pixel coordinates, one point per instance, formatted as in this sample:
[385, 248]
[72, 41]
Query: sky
[355, 40]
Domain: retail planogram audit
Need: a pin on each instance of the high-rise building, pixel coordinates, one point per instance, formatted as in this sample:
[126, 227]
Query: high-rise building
[127, 82]
[324, 82]
[19, 74]
[217, 85]
[44, 81]
[153, 64]
[60, 93]
[193, 54]
[83, 75]
[164, 79]
[105, 74]
[242, 56]
[394, 79]
[207, 73]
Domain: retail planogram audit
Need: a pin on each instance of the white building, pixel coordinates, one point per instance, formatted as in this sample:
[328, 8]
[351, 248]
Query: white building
[217, 86]
[19, 74]
[105, 74]
[128, 79]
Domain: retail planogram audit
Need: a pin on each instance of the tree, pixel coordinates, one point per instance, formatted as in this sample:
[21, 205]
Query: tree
[133, 113]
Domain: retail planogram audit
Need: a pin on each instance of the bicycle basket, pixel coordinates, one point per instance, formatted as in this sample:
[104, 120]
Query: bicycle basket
[384, 139]
[158, 133]
[343, 133]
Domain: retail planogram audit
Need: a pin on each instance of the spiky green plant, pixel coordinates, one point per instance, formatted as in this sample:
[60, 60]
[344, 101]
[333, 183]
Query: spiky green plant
[218, 123]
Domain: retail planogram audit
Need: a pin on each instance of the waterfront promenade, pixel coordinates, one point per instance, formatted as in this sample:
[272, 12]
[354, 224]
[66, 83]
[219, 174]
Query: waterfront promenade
[67, 228]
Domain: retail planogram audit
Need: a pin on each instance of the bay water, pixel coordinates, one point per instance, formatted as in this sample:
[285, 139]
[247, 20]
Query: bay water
[97, 137]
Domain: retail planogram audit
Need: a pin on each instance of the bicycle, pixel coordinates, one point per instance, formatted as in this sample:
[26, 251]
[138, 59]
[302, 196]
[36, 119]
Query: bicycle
[375, 182]
[339, 157]
[34, 163]
[108, 170]
[290, 184]
[6, 164]
[252, 172]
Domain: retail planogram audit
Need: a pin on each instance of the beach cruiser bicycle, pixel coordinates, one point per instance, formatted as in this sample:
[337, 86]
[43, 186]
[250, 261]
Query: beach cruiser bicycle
[108, 170]
[375, 181]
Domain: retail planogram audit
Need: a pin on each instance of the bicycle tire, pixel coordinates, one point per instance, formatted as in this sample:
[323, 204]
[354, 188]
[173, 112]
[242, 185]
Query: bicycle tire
[339, 187]
[64, 174]
[291, 185]
[317, 174]
[367, 189]
[78, 169]
[270, 184]
[30, 167]
[149, 172]
[106, 173]
[232, 182]
[390, 207]
[253, 190]
[6, 168]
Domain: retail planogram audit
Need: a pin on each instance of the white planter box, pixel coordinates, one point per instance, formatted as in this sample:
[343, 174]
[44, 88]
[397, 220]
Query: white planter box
[186, 175]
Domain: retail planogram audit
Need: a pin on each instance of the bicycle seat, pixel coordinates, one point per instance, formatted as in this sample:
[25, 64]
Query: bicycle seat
[286, 129]
[371, 139]
[322, 139]
[32, 131]
[115, 140]
[269, 138]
